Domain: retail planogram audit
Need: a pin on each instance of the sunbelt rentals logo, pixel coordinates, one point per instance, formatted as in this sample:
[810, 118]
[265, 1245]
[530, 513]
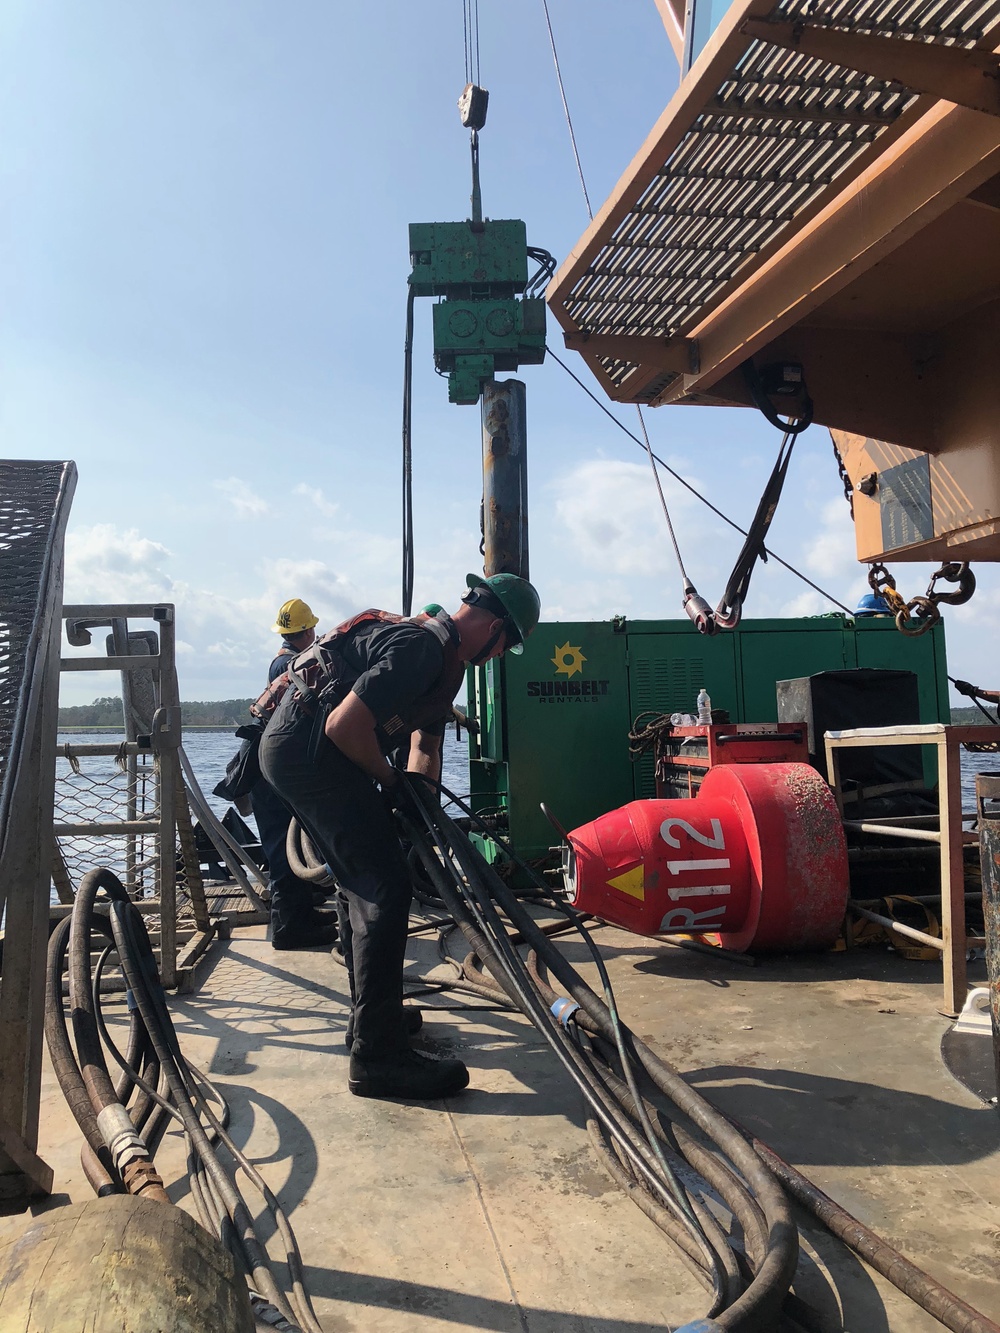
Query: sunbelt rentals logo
[569, 661]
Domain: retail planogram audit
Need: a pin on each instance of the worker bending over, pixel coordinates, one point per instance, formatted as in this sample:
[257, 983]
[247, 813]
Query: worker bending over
[350, 700]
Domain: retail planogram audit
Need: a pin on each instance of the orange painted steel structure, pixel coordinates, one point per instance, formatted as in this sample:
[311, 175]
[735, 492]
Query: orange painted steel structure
[823, 188]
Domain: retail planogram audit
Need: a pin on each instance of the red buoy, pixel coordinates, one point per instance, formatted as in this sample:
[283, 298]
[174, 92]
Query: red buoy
[757, 858]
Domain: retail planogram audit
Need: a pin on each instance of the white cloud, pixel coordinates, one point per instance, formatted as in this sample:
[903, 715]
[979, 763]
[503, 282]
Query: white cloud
[316, 497]
[106, 565]
[808, 603]
[226, 639]
[247, 503]
[613, 520]
[832, 551]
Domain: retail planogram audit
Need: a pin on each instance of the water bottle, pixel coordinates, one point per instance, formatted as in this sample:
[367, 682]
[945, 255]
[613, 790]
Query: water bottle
[704, 709]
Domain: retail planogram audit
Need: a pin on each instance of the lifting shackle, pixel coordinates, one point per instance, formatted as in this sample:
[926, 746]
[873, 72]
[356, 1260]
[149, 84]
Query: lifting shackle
[757, 858]
[699, 610]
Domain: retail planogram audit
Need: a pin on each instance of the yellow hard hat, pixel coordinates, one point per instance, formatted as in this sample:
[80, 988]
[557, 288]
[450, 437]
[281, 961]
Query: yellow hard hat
[294, 617]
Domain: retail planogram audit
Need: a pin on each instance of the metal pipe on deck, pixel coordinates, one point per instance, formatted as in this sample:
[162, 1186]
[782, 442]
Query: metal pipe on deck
[921, 936]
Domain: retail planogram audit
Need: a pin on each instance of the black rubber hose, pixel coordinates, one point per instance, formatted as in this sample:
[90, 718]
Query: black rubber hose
[96, 1078]
[713, 1170]
[140, 1069]
[759, 1306]
[726, 1260]
[139, 966]
[300, 862]
[99, 1167]
[690, 1253]
[606, 1110]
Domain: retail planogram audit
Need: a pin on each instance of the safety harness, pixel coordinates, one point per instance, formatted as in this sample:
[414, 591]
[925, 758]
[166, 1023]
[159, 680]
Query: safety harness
[322, 678]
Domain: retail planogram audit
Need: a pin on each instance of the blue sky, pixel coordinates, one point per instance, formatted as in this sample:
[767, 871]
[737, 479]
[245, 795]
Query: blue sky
[203, 213]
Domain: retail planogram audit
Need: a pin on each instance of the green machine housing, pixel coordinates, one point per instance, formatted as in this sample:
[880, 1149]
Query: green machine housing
[554, 723]
[481, 326]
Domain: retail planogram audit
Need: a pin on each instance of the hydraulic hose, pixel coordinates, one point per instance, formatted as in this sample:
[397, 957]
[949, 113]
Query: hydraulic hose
[303, 859]
[96, 1158]
[161, 1085]
[472, 913]
[759, 1306]
[947, 1308]
[509, 972]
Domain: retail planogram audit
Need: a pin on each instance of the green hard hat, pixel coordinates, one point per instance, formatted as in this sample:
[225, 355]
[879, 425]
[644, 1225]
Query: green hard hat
[517, 597]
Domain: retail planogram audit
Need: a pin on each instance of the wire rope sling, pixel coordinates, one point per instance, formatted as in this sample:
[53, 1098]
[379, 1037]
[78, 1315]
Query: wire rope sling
[785, 381]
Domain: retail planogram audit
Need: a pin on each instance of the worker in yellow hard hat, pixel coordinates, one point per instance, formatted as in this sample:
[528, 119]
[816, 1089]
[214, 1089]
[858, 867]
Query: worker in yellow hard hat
[295, 921]
[296, 624]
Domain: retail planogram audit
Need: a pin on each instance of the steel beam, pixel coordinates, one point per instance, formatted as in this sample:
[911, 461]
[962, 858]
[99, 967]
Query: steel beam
[672, 14]
[956, 74]
[939, 161]
[679, 355]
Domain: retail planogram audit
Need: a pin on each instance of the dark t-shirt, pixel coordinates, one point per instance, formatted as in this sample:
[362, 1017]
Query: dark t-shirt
[281, 663]
[395, 665]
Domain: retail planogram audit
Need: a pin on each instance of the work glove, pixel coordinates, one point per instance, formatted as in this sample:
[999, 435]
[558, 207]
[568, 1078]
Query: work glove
[399, 799]
[965, 688]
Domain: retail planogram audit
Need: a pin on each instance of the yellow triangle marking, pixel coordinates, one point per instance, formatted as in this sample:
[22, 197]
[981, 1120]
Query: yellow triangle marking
[631, 882]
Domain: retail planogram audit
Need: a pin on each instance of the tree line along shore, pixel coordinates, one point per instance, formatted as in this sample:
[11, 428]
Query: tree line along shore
[106, 715]
[223, 714]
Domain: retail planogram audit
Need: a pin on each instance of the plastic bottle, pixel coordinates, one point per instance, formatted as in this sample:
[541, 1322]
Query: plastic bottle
[704, 709]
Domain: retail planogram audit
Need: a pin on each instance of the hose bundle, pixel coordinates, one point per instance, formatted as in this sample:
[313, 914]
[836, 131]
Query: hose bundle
[123, 1122]
[652, 1158]
[666, 1146]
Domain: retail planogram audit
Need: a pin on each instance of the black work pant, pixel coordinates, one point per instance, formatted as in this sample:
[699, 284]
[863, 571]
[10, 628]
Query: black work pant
[291, 897]
[341, 810]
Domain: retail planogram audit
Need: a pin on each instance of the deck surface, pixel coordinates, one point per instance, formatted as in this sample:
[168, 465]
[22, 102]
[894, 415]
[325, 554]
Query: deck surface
[489, 1211]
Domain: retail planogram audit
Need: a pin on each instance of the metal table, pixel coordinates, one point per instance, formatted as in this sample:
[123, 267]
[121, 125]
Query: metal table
[949, 834]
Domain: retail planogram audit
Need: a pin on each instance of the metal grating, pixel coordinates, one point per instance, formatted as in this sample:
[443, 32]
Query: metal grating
[777, 133]
[34, 498]
[104, 790]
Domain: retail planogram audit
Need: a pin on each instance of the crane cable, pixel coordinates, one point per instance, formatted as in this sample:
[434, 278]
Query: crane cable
[470, 34]
[407, 598]
[663, 501]
[688, 486]
[569, 119]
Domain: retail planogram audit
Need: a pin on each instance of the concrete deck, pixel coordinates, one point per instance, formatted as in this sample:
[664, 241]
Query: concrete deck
[489, 1211]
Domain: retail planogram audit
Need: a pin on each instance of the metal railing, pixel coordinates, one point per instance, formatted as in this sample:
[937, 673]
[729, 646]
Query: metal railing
[129, 806]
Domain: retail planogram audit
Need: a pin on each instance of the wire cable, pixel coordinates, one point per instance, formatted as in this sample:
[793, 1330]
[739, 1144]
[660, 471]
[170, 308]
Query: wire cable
[407, 592]
[659, 490]
[687, 485]
[569, 118]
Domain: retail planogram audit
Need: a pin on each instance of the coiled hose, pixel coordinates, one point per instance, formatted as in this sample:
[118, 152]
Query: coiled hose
[123, 1123]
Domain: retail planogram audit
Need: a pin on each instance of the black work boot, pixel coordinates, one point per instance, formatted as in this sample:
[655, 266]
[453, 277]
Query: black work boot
[408, 1075]
[318, 930]
[413, 1021]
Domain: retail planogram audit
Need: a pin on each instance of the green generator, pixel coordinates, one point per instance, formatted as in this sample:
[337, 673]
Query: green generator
[554, 722]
